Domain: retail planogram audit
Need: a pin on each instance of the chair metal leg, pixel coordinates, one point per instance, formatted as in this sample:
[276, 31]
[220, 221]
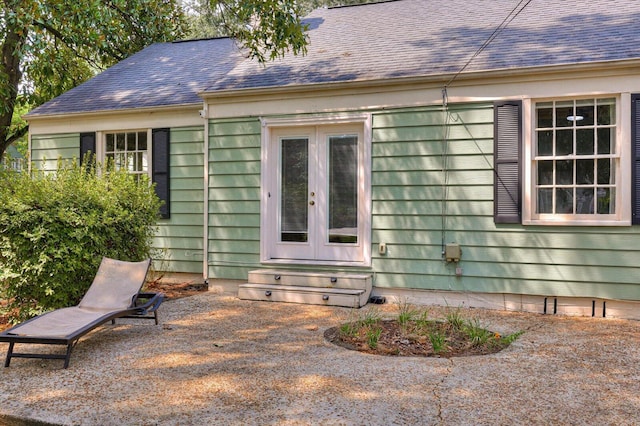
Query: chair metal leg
[68, 355]
[9, 353]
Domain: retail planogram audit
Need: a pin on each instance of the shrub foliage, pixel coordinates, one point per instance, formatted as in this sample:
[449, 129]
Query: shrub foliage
[56, 227]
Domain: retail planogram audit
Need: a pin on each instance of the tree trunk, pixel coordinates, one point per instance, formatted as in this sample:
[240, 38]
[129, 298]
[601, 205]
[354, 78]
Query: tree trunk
[10, 70]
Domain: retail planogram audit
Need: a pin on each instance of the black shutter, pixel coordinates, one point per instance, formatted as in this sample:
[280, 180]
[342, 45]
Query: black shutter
[87, 146]
[635, 158]
[160, 139]
[507, 186]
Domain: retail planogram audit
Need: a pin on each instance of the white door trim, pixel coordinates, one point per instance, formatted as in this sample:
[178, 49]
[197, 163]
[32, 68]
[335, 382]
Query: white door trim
[269, 182]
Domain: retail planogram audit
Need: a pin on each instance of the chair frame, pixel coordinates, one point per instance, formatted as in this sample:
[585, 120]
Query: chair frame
[143, 306]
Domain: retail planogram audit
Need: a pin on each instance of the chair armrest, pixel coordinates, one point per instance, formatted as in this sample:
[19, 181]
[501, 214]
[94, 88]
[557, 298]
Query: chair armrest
[147, 302]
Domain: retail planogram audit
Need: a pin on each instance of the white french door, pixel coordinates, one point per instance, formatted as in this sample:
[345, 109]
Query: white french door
[316, 197]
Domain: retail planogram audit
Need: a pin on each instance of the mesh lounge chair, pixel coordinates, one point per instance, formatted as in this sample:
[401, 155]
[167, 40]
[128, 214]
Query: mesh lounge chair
[114, 293]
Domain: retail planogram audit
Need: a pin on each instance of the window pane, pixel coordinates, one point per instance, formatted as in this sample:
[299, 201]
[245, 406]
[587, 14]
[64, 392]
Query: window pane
[120, 141]
[564, 142]
[604, 171]
[145, 164]
[585, 142]
[142, 141]
[294, 173]
[606, 111]
[604, 141]
[564, 200]
[545, 172]
[110, 143]
[563, 111]
[545, 142]
[605, 201]
[131, 166]
[545, 200]
[584, 200]
[544, 112]
[119, 161]
[584, 113]
[343, 189]
[564, 172]
[131, 141]
[139, 161]
[584, 172]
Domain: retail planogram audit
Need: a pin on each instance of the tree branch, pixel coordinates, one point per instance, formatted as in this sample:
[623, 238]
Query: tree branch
[4, 144]
[58, 35]
[17, 134]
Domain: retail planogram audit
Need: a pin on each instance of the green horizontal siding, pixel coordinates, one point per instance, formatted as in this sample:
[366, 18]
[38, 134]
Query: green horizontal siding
[48, 150]
[234, 198]
[413, 210]
[426, 192]
[178, 244]
[179, 241]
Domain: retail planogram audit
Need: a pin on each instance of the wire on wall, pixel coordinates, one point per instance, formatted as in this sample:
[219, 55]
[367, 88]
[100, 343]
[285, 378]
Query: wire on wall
[445, 166]
[446, 121]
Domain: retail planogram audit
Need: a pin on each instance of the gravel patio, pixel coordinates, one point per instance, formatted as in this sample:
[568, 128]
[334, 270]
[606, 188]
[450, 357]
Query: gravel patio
[219, 360]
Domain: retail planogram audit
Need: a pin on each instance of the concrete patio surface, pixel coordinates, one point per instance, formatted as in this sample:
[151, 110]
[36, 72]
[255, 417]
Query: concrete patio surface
[217, 360]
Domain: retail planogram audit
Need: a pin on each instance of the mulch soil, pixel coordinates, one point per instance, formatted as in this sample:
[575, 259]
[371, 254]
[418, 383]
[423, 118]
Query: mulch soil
[394, 340]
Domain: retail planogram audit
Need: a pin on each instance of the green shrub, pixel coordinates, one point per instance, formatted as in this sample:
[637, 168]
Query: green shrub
[56, 227]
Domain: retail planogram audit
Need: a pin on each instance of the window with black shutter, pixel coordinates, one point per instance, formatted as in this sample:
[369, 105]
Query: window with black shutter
[160, 168]
[635, 159]
[507, 162]
[87, 146]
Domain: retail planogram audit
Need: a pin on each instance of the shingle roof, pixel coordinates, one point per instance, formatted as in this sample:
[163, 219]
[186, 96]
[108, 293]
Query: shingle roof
[163, 74]
[429, 37]
[404, 38]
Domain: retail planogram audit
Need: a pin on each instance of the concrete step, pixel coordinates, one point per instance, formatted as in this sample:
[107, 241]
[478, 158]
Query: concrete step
[308, 287]
[352, 298]
[311, 279]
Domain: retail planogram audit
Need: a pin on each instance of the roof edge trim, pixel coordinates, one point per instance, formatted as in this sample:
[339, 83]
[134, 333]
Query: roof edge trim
[81, 114]
[437, 80]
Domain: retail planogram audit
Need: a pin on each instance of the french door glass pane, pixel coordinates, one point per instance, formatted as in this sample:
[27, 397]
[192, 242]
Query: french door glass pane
[343, 189]
[294, 172]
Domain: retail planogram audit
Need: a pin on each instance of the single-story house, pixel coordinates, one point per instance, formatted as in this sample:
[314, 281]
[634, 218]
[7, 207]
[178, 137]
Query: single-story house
[470, 153]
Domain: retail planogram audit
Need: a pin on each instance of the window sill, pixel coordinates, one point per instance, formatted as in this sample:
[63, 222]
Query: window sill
[575, 222]
[315, 263]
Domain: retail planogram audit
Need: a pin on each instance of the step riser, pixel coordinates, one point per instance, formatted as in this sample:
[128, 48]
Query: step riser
[349, 281]
[314, 288]
[309, 298]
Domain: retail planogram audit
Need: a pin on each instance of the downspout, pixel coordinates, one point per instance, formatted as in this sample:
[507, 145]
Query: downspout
[204, 113]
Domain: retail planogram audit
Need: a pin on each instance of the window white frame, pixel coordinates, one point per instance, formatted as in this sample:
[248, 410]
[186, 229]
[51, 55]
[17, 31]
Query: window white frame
[271, 126]
[101, 146]
[622, 215]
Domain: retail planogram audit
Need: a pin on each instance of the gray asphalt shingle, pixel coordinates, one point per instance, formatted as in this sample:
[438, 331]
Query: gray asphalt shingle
[163, 74]
[405, 38]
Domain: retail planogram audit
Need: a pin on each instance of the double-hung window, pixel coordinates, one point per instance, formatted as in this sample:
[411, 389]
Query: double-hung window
[575, 160]
[565, 161]
[139, 152]
[128, 151]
